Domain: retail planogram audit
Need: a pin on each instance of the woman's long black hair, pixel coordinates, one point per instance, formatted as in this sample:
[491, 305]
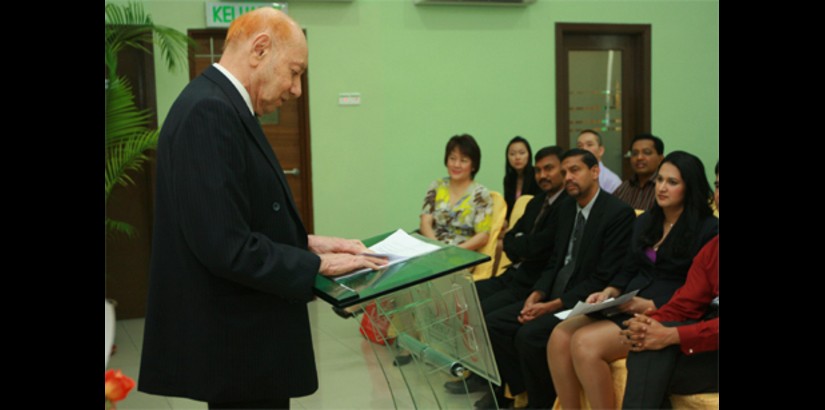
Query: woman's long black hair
[698, 196]
[529, 185]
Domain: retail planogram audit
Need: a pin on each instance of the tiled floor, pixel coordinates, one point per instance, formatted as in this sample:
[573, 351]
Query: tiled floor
[349, 375]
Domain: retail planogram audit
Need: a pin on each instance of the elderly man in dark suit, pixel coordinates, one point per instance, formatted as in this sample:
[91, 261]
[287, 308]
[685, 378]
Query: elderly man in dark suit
[232, 265]
[591, 242]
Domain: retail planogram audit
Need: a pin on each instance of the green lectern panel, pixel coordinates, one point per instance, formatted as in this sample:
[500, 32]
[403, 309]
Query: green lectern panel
[357, 288]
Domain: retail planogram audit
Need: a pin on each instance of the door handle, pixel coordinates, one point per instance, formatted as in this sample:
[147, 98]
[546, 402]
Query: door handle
[293, 171]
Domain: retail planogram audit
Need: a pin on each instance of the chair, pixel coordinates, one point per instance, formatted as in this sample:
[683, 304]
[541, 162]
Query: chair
[515, 215]
[486, 269]
[639, 211]
[695, 401]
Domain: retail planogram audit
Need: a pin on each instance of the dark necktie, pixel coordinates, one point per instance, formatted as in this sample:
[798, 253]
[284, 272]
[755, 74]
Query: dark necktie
[544, 207]
[567, 270]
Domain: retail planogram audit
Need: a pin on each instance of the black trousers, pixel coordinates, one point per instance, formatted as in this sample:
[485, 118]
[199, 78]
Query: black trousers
[263, 404]
[652, 376]
[500, 291]
[521, 352]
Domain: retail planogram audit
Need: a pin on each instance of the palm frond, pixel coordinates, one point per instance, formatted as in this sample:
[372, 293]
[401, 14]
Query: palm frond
[123, 118]
[127, 135]
[127, 156]
[174, 45]
[114, 226]
[126, 15]
[130, 25]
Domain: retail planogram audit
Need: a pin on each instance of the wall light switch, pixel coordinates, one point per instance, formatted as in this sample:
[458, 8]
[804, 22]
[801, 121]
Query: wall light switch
[349, 99]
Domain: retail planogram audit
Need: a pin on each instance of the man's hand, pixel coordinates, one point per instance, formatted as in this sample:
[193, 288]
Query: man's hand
[646, 333]
[320, 245]
[533, 307]
[535, 310]
[334, 264]
[533, 298]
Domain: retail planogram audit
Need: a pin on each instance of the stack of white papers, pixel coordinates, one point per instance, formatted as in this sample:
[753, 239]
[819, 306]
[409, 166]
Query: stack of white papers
[397, 248]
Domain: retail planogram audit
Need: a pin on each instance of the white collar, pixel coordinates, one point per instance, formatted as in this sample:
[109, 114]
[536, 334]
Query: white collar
[555, 196]
[586, 209]
[238, 86]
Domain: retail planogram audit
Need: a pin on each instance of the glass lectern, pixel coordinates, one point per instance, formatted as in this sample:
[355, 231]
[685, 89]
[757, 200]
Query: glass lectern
[429, 316]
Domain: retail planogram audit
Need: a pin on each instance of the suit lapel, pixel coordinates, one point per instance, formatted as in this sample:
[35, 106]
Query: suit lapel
[254, 127]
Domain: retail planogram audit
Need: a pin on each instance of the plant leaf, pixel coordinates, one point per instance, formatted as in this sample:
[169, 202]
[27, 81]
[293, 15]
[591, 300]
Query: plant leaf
[127, 156]
[113, 226]
[123, 118]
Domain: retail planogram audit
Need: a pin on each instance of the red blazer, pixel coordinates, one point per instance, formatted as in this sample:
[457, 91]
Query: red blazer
[691, 302]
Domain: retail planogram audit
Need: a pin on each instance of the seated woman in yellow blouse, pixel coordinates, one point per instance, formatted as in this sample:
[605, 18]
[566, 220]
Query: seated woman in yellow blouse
[457, 210]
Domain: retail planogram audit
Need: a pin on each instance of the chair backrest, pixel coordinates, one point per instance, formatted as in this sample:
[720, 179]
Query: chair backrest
[518, 211]
[639, 211]
[485, 270]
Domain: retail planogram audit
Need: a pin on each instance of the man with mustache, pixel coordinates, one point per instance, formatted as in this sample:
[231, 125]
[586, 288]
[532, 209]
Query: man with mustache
[528, 244]
[592, 238]
[646, 153]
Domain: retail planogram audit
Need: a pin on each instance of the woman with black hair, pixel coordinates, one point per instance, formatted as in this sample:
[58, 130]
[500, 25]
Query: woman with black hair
[519, 178]
[665, 241]
[457, 210]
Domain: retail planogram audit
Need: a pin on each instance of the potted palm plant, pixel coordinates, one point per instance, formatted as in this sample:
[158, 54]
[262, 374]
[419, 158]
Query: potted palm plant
[128, 135]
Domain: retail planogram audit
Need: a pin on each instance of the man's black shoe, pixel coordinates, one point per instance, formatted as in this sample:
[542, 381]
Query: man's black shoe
[474, 383]
[401, 360]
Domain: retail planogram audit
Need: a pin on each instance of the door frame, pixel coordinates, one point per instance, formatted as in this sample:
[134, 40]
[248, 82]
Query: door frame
[639, 35]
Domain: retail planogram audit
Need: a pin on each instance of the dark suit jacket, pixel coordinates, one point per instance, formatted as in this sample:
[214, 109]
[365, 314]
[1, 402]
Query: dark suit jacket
[532, 249]
[230, 271]
[604, 245]
[658, 281]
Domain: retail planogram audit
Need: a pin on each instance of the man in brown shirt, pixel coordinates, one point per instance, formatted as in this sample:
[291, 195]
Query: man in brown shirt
[646, 153]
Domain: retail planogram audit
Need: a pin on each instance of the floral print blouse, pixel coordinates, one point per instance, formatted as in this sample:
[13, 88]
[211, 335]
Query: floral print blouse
[472, 214]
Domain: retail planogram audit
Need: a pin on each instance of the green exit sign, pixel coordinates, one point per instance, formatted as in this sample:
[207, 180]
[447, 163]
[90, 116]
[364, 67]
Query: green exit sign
[221, 14]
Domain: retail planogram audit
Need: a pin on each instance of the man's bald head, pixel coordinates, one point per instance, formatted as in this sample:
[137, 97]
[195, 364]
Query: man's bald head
[267, 52]
[263, 20]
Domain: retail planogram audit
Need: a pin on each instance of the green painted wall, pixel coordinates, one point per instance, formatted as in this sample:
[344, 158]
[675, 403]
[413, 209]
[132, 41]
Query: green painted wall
[427, 73]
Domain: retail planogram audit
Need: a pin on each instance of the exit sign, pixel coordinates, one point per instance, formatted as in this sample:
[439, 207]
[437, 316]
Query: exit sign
[221, 14]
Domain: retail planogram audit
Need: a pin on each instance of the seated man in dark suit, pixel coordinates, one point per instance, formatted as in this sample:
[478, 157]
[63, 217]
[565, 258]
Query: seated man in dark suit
[528, 244]
[592, 239]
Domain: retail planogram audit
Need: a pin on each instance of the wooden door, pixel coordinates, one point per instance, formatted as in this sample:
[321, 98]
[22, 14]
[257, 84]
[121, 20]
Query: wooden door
[614, 97]
[287, 129]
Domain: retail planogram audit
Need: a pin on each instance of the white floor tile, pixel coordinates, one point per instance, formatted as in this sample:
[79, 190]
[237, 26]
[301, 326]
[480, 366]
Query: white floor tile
[127, 353]
[134, 328]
